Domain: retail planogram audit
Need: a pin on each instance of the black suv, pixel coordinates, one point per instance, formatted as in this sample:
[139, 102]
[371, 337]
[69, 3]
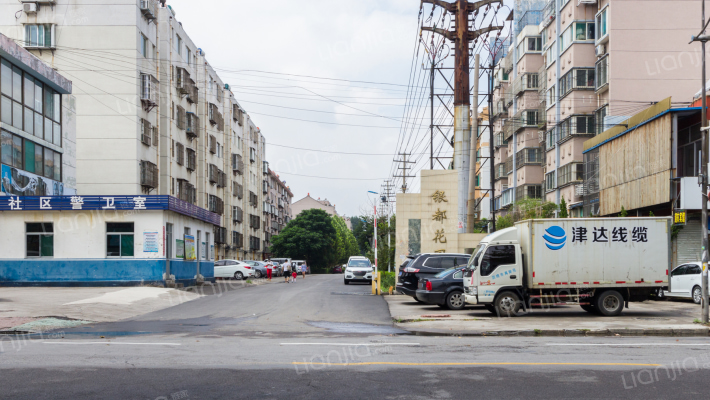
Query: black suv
[425, 265]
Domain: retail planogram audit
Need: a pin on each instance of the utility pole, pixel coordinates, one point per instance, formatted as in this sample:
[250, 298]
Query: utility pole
[431, 99]
[405, 166]
[471, 209]
[702, 38]
[461, 36]
[386, 198]
[491, 145]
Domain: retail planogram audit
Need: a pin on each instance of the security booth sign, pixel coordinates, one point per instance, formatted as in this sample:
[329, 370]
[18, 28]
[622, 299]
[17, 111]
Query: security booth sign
[679, 217]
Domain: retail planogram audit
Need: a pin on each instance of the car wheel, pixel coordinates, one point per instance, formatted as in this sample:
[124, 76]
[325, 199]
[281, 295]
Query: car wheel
[347, 282]
[507, 304]
[609, 303]
[257, 274]
[697, 295]
[660, 293]
[589, 308]
[455, 301]
[238, 276]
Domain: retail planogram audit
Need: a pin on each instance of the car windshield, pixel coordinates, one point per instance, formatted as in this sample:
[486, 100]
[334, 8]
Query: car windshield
[359, 263]
[445, 272]
[473, 261]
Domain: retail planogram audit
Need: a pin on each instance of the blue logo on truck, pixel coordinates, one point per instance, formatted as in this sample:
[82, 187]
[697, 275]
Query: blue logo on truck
[555, 237]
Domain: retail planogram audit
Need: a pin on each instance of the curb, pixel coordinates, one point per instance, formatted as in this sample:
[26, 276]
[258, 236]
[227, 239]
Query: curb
[684, 332]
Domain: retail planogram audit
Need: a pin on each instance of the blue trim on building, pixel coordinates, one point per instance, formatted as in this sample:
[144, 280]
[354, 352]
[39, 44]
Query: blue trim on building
[98, 272]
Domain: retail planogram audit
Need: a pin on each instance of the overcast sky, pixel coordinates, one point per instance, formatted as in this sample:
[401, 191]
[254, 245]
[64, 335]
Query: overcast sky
[364, 40]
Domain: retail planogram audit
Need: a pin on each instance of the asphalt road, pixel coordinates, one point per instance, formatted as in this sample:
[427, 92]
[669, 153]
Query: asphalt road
[318, 338]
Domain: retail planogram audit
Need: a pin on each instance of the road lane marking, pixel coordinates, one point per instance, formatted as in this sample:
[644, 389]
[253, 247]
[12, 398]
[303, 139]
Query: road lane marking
[628, 344]
[124, 343]
[349, 344]
[473, 364]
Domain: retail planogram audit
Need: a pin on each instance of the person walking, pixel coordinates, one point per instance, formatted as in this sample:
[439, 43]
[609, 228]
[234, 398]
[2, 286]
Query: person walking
[294, 271]
[287, 270]
[269, 267]
[303, 270]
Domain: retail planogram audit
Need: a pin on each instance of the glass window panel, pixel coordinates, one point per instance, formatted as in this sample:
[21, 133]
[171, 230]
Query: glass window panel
[6, 145]
[32, 247]
[17, 115]
[29, 91]
[57, 167]
[29, 120]
[6, 82]
[48, 130]
[48, 163]
[113, 245]
[40, 36]
[48, 102]
[17, 84]
[39, 160]
[119, 227]
[6, 110]
[29, 156]
[57, 135]
[47, 245]
[126, 245]
[57, 107]
[17, 151]
[47, 35]
[38, 97]
[38, 124]
[590, 30]
[40, 227]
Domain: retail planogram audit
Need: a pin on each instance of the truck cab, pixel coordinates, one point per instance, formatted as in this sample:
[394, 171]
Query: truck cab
[496, 265]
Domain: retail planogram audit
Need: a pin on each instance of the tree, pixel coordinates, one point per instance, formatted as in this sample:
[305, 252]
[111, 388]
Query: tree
[505, 221]
[563, 209]
[310, 236]
[623, 212]
[345, 243]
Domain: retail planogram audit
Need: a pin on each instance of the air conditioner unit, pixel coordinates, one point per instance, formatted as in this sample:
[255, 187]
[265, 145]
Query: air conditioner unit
[30, 8]
[600, 50]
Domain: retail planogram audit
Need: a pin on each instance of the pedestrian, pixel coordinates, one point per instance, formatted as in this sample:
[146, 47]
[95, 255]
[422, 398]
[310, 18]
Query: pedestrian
[269, 267]
[294, 274]
[303, 270]
[286, 268]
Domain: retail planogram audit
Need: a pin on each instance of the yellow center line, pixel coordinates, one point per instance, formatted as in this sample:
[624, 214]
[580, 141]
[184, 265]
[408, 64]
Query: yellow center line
[474, 364]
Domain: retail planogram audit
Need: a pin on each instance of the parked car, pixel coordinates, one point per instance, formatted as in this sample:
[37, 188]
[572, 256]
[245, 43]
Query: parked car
[685, 282]
[299, 263]
[338, 269]
[259, 268]
[426, 265]
[444, 289]
[358, 270]
[277, 263]
[232, 269]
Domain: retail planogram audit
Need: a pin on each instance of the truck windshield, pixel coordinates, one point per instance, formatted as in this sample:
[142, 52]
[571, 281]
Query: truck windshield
[473, 261]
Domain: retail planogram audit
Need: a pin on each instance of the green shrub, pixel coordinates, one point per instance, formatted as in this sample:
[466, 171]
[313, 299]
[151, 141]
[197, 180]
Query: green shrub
[387, 280]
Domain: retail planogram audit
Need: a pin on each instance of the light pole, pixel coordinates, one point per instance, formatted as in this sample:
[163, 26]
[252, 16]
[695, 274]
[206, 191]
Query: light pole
[374, 240]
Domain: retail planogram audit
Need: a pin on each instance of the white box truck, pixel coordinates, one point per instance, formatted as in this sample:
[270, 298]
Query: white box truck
[601, 264]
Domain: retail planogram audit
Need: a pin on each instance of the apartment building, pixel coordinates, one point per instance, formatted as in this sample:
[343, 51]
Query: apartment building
[599, 64]
[482, 194]
[155, 121]
[277, 207]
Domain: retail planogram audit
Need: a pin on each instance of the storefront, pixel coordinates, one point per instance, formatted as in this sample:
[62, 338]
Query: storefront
[105, 240]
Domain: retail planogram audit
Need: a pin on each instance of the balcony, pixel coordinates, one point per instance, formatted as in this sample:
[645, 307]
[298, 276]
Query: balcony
[500, 171]
[528, 192]
[182, 81]
[149, 9]
[529, 118]
[528, 156]
[572, 173]
[192, 125]
[577, 79]
[499, 141]
[237, 164]
[509, 166]
[510, 126]
[149, 175]
[499, 109]
[548, 13]
[602, 75]
[507, 197]
[550, 139]
[149, 92]
[527, 81]
[576, 126]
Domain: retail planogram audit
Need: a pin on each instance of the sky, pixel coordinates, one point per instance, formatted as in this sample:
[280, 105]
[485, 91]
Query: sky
[331, 77]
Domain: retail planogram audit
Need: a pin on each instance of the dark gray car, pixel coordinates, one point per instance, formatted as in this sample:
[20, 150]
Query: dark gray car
[259, 268]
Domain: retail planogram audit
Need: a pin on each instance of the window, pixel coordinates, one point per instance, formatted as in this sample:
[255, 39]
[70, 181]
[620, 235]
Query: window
[144, 45]
[584, 31]
[550, 182]
[534, 44]
[602, 28]
[551, 55]
[31, 157]
[577, 78]
[570, 173]
[679, 271]
[39, 238]
[189, 56]
[496, 256]
[119, 239]
[600, 116]
[178, 44]
[602, 72]
[689, 146]
[37, 35]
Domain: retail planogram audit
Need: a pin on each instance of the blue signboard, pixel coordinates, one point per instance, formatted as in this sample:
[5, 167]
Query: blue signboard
[107, 203]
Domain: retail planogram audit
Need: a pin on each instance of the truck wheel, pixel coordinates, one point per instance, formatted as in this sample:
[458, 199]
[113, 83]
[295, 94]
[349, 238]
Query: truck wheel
[589, 308]
[609, 303]
[697, 295]
[455, 301]
[507, 304]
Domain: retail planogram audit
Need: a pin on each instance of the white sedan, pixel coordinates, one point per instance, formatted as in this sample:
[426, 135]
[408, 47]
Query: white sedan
[685, 282]
[232, 269]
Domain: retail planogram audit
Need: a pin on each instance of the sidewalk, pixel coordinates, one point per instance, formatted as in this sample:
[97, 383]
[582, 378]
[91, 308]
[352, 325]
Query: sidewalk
[650, 318]
[36, 309]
